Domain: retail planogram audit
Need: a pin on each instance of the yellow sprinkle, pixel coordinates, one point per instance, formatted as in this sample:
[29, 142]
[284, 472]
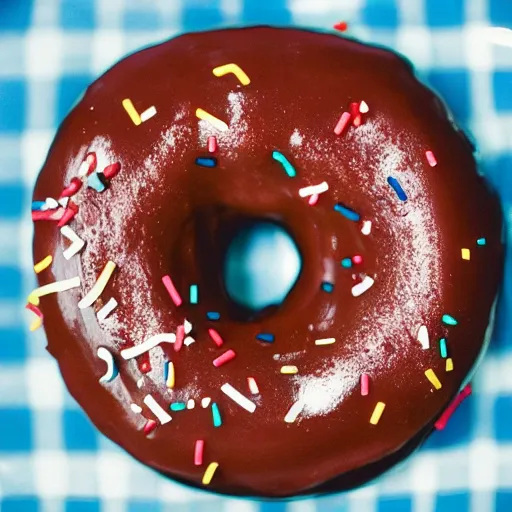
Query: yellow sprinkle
[98, 287]
[432, 377]
[170, 375]
[38, 322]
[44, 263]
[216, 123]
[130, 110]
[57, 286]
[466, 254]
[289, 370]
[235, 69]
[449, 364]
[377, 413]
[210, 471]
[325, 341]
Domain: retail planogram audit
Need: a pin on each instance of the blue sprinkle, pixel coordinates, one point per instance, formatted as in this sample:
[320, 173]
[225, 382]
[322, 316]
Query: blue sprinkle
[37, 205]
[213, 315]
[347, 212]
[449, 320]
[266, 337]
[346, 262]
[178, 406]
[327, 287]
[397, 188]
[206, 161]
[442, 348]
[193, 294]
[95, 182]
[217, 419]
[287, 166]
[481, 241]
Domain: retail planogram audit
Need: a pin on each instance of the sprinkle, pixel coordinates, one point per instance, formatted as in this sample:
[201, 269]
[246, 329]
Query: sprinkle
[140, 382]
[432, 377]
[341, 26]
[367, 227]
[357, 259]
[466, 254]
[377, 413]
[294, 411]
[187, 326]
[265, 337]
[253, 386]
[94, 182]
[289, 370]
[74, 186]
[76, 242]
[442, 348]
[69, 213]
[155, 408]
[287, 166]
[191, 404]
[449, 364]
[131, 111]
[363, 107]
[347, 212]
[88, 165]
[193, 294]
[449, 320]
[198, 452]
[423, 337]
[314, 189]
[232, 68]
[148, 114]
[217, 418]
[170, 375]
[38, 322]
[210, 471]
[357, 118]
[98, 287]
[169, 286]
[178, 406]
[313, 199]
[325, 341]
[55, 287]
[237, 397]
[48, 214]
[111, 170]
[365, 384]
[136, 409]
[440, 424]
[342, 123]
[64, 202]
[150, 426]
[212, 144]
[43, 264]
[213, 315]
[38, 206]
[180, 337]
[206, 161]
[363, 286]
[346, 262]
[102, 314]
[146, 346]
[327, 287]
[216, 337]
[481, 241]
[51, 204]
[431, 159]
[112, 371]
[395, 185]
[205, 402]
[216, 123]
[224, 358]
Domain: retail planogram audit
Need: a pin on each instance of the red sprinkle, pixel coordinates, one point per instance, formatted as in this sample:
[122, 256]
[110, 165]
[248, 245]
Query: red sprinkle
[69, 214]
[357, 259]
[357, 118]
[313, 199]
[365, 384]
[34, 310]
[212, 144]
[74, 186]
[431, 158]
[169, 286]
[215, 336]
[92, 162]
[198, 453]
[443, 419]
[341, 26]
[55, 214]
[224, 358]
[180, 336]
[145, 367]
[342, 123]
[150, 426]
[111, 170]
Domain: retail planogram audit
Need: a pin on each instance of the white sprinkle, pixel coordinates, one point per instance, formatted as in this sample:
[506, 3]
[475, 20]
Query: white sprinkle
[325, 341]
[363, 107]
[363, 286]
[294, 411]
[205, 402]
[84, 168]
[135, 408]
[155, 408]
[106, 309]
[111, 372]
[64, 201]
[188, 341]
[76, 242]
[187, 326]
[423, 337]
[51, 203]
[237, 397]
[253, 386]
[367, 227]
[150, 343]
[191, 404]
[147, 114]
[140, 382]
[314, 189]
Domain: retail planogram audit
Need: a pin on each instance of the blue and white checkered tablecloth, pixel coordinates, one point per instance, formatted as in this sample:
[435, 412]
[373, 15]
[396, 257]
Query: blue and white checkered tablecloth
[51, 457]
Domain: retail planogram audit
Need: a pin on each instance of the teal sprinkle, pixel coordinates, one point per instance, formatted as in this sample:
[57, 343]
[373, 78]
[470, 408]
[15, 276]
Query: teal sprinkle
[217, 420]
[442, 348]
[193, 294]
[449, 320]
[213, 315]
[266, 337]
[481, 241]
[287, 166]
[178, 406]
[327, 287]
[95, 182]
[346, 262]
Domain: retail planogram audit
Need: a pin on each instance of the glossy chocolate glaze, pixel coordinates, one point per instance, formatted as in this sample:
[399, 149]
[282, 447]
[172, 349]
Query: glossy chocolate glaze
[163, 214]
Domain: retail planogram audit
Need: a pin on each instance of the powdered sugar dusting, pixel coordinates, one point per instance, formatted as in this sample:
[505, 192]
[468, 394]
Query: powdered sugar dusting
[296, 138]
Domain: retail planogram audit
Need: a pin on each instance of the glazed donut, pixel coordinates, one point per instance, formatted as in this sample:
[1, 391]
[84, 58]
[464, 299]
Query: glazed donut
[181, 147]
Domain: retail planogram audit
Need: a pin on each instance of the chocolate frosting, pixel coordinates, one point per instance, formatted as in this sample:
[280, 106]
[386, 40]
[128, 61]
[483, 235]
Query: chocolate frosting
[163, 214]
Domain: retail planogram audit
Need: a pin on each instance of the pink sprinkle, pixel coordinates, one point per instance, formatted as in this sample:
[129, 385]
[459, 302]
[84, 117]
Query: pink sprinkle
[149, 426]
[253, 387]
[357, 259]
[212, 144]
[224, 358]
[169, 285]
[431, 158]
[215, 336]
[91, 162]
[365, 384]
[443, 419]
[342, 123]
[198, 453]
[180, 336]
[313, 199]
